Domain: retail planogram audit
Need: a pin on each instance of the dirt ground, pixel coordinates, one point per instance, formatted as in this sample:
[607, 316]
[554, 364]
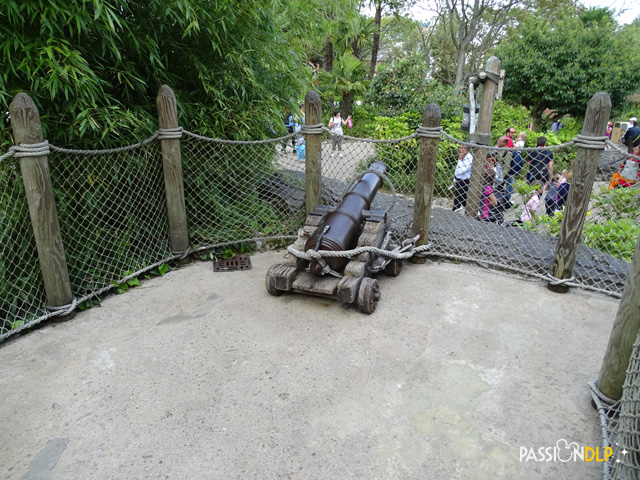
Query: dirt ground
[202, 375]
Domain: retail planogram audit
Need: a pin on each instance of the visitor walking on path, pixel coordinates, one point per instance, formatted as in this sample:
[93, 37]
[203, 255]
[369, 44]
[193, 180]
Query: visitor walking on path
[335, 124]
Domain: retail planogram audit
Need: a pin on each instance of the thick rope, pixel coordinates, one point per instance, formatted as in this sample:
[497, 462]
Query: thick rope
[429, 132]
[312, 129]
[320, 254]
[590, 143]
[604, 405]
[105, 151]
[31, 149]
[166, 133]
[511, 149]
[64, 309]
[559, 281]
[239, 142]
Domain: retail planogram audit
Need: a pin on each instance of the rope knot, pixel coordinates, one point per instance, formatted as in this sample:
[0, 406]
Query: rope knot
[312, 129]
[314, 254]
[429, 132]
[591, 143]
[558, 281]
[31, 149]
[166, 133]
[63, 309]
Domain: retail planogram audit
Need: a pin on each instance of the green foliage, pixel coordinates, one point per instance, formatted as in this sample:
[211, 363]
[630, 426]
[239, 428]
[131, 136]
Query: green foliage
[401, 157]
[347, 80]
[562, 65]
[506, 116]
[404, 85]
[94, 67]
[612, 225]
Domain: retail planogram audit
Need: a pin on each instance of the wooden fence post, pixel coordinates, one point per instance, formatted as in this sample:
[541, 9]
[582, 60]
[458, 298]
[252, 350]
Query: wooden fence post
[25, 122]
[428, 156]
[313, 152]
[482, 135]
[584, 173]
[172, 167]
[623, 334]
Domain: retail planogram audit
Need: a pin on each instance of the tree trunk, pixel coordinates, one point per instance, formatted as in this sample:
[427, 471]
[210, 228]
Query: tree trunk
[328, 65]
[346, 104]
[462, 54]
[536, 117]
[376, 40]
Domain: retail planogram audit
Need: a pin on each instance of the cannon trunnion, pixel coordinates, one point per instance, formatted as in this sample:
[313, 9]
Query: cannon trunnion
[350, 225]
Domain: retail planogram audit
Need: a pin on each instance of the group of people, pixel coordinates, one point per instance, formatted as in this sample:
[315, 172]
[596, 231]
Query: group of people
[629, 173]
[498, 174]
[298, 143]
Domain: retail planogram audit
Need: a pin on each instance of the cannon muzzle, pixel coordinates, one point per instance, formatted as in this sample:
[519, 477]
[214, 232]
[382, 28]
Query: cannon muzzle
[340, 229]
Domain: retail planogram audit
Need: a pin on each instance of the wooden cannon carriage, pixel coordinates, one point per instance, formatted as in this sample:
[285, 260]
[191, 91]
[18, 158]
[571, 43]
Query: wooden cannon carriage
[337, 229]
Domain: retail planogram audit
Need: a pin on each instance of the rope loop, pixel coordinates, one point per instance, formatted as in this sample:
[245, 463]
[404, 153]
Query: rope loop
[312, 129]
[166, 133]
[182, 255]
[610, 402]
[63, 309]
[591, 143]
[558, 281]
[429, 132]
[31, 149]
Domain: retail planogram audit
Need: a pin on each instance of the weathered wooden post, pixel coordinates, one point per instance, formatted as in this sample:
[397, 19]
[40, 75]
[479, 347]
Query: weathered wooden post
[482, 136]
[623, 335]
[584, 173]
[313, 155]
[427, 160]
[25, 122]
[172, 167]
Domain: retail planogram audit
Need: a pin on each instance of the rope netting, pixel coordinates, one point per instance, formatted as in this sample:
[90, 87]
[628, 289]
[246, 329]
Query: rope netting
[620, 422]
[22, 297]
[113, 216]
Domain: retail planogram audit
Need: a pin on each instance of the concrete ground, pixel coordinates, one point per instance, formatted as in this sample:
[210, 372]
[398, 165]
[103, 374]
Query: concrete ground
[203, 375]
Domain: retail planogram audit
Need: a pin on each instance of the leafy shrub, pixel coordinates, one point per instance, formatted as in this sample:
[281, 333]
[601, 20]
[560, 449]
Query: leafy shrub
[611, 226]
[403, 85]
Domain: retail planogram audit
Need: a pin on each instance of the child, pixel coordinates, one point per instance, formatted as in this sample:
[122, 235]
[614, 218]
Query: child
[532, 205]
[551, 198]
[629, 173]
[301, 148]
[563, 189]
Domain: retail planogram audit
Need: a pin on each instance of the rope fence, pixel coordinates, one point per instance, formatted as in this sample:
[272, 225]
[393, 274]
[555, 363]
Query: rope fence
[113, 215]
[116, 217]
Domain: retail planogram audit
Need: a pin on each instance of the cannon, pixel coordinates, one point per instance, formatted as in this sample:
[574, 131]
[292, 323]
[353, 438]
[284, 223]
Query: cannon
[350, 225]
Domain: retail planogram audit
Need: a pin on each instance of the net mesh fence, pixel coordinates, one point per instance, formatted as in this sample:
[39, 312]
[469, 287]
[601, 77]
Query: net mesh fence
[22, 296]
[620, 422]
[113, 217]
[112, 214]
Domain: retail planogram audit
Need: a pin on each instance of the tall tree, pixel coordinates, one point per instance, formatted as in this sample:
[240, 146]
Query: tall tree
[562, 66]
[473, 28]
[95, 66]
[346, 80]
[394, 7]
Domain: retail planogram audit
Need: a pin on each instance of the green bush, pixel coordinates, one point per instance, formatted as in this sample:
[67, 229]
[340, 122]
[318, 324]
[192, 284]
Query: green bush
[611, 225]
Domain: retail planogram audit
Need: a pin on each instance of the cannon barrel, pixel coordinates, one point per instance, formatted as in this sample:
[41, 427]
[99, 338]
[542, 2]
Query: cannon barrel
[344, 222]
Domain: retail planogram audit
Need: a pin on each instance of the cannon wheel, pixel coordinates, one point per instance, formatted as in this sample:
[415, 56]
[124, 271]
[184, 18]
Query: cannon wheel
[270, 282]
[393, 268]
[368, 295]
